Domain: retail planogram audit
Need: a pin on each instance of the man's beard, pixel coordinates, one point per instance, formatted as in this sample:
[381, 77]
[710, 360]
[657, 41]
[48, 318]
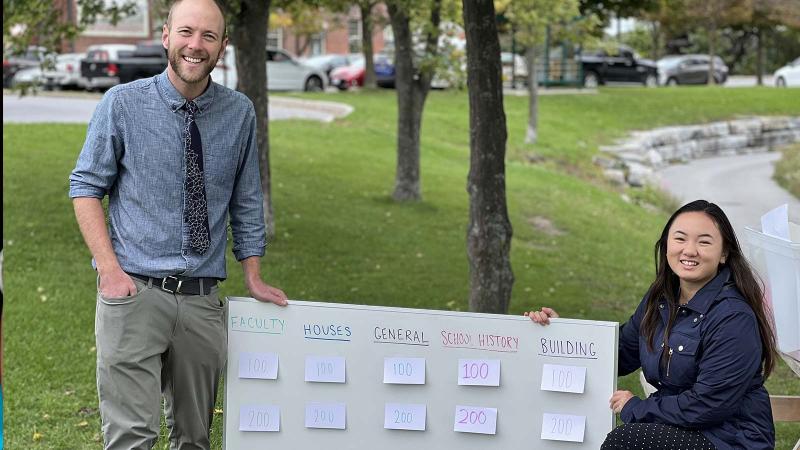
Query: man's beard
[176, 60]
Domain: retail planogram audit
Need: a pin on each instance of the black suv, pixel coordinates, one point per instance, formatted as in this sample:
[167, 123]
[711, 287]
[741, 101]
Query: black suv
[624, 65]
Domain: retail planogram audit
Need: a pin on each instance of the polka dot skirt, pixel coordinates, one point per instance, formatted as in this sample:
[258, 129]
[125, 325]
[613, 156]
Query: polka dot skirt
[655, 436]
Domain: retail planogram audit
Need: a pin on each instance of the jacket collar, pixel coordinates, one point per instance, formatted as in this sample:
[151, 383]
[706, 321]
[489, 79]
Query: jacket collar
[176, 101]
[708, 294]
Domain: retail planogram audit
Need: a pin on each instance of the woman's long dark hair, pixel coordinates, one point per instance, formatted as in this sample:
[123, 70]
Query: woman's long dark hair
[667, 282]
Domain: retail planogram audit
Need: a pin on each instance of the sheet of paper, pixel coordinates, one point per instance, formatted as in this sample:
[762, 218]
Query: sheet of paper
[563, 427]
[479, 372]
[258, 365]
[404, 416]
[326, 415]
[259, 418]
[560, 378]
[404, 370]
[475, 419]
[776, 222]
[325, 369]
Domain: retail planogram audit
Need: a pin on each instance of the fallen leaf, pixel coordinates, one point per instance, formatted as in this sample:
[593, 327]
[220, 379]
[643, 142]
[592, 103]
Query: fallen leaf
[83, 424]
[37, 436]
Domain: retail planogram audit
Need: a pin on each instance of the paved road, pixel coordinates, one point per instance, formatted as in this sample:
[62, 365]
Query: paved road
[78, 108]
[741, 185]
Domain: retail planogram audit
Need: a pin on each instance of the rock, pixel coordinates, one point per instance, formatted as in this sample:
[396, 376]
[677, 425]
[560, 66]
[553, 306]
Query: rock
[639, 175]
[606, 163]
[655, 159]
[615, 176]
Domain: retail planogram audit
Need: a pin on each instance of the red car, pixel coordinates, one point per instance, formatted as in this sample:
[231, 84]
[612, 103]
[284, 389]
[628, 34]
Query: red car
[347, 76]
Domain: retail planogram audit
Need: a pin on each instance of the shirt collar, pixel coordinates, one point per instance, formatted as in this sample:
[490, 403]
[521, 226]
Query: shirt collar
[176, 101]
[708, 294]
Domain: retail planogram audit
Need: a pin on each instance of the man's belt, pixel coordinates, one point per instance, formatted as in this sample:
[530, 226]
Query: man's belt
[180, 285]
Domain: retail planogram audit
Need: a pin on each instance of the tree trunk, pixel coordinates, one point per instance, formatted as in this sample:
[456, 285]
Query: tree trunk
[533, 96]
[655, 35]
[489, 232]
[412, 88]
[712, 48]
[759, 57]
[366, 44]
[249, 35]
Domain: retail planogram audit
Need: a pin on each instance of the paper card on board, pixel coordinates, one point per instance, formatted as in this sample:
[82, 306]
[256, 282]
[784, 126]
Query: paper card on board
[479, 372]
[475, 419]
[326, 415]
[559, 378]
[325, 369]
[259, 418]
[258, 365]
[404, 416]
[404, 370]
[563, 427]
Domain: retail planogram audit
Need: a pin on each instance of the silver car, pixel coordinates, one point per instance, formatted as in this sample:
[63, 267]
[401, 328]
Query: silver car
[689, 69]
[66, 74]
[284, 72]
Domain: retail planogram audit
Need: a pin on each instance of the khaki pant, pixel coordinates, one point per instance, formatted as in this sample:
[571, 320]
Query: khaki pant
[152, 344]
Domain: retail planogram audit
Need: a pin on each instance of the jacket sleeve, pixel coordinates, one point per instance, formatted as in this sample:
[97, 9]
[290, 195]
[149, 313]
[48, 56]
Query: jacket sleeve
[731, 358]
[628, 354]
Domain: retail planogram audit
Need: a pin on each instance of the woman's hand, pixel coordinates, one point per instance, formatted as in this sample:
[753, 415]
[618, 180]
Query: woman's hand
[542, 317]
[619, 399]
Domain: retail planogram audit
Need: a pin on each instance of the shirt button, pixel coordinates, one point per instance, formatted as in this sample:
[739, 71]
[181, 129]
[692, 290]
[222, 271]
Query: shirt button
[662, 345]
[695, 320]
[680, 348]
[661, 306]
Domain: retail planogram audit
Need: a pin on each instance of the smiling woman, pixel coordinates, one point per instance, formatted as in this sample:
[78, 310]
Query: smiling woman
[701, 335]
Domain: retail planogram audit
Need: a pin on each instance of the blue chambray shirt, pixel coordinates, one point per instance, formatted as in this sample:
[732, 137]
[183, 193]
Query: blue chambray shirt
[134, 154]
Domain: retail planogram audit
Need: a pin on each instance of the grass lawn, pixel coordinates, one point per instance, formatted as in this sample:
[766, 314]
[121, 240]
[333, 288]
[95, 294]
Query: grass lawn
[787, 171]
[578, 245]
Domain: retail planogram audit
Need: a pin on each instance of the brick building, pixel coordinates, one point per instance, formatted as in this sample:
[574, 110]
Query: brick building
[342, 33]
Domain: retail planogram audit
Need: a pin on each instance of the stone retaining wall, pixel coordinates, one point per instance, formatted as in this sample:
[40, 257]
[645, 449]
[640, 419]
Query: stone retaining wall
[633, 161]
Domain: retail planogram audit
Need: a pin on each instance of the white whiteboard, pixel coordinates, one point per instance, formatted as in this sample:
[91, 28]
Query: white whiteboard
[361, 336]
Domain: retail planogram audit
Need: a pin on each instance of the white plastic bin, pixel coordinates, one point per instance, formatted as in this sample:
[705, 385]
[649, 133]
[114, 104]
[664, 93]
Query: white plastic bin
[778, 263]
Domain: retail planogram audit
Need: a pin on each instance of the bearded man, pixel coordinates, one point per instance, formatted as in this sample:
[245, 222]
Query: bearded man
[176, 154]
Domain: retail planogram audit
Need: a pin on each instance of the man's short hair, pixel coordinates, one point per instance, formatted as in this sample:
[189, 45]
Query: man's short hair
[219, 5]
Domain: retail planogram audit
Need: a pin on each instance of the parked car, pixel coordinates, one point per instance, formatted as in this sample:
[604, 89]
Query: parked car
[30, 76]
[690, 69]
[384, 70]
[327, 63]
[520, 68]
[66, 74]
[788, 75]
[349, 76]
[284, 72]
[13, 63]
[100, 69]
[622, 65]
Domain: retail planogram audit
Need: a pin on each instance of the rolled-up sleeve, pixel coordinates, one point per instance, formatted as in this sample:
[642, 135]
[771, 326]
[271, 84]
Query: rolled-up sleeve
[247, 202]
[96, 170]
[731, 358]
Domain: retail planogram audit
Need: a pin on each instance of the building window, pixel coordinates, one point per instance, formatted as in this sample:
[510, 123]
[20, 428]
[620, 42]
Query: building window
[275, 38]
[354, 35]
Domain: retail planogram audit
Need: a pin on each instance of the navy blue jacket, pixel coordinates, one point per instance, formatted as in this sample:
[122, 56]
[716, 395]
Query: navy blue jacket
[713, 381]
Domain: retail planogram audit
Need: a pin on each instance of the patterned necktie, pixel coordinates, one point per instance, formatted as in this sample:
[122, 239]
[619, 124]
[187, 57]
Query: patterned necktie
[196, 208]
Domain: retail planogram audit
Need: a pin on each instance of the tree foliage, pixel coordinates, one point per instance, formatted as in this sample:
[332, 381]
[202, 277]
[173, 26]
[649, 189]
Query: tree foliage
[42, 23]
